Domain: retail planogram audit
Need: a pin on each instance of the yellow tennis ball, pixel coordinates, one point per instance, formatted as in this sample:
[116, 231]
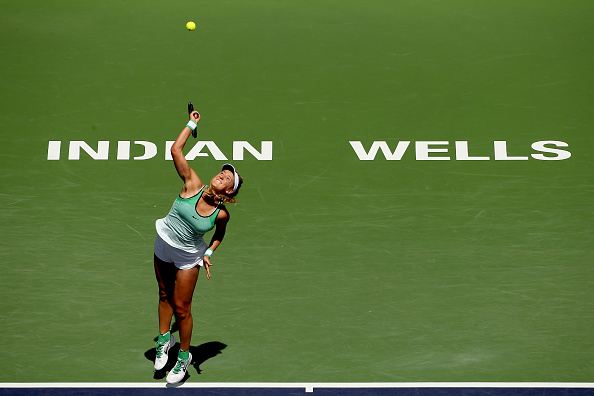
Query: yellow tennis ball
[190, 25]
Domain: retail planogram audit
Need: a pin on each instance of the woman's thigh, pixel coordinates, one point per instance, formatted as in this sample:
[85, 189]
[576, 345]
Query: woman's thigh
[166, 277]
[185, 284]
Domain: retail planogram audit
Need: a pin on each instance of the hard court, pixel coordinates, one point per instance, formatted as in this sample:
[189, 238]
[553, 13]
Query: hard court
[417, 206]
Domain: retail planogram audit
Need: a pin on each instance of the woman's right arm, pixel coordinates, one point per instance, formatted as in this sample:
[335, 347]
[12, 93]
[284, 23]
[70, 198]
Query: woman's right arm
[192, 182]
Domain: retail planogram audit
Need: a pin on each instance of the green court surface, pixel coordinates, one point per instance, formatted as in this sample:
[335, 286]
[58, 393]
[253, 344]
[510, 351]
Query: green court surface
[338, 265]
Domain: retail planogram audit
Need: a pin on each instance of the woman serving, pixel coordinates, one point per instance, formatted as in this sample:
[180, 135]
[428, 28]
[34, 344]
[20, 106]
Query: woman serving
[180, 249]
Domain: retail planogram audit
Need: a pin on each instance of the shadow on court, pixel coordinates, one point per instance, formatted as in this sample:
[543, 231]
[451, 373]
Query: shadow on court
[200, 354]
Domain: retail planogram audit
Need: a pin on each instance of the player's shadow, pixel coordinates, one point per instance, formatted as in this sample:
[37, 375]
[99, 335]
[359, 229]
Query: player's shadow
[203, 352]
[200, 354]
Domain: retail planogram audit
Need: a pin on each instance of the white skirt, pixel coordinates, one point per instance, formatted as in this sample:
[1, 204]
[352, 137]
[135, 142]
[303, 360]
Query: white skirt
[182, 259]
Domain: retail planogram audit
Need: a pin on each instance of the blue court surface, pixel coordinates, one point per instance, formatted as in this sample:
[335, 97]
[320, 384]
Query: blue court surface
[304, 390]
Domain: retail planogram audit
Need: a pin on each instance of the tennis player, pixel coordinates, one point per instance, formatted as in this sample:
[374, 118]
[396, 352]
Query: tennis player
[180, 249]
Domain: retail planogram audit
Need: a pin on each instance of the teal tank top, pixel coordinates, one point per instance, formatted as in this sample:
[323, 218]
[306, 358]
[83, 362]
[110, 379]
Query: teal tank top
[184, 228]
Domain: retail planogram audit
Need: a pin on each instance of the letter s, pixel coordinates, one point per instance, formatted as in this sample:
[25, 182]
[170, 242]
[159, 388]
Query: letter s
[541, 146]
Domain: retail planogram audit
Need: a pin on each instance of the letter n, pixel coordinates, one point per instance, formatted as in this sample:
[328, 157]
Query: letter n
[265, 153]
[102, 152]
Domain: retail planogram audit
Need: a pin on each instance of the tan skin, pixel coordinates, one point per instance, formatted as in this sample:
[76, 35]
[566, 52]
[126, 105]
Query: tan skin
[176, 287]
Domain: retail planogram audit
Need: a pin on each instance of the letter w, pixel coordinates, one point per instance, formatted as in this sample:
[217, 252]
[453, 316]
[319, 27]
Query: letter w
[370, 156]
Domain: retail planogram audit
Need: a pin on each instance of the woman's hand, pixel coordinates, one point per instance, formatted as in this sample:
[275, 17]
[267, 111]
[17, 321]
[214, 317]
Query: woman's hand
[207, 264]
[195, 116]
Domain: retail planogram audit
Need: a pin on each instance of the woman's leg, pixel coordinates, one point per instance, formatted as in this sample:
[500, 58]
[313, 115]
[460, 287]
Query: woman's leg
[165, 273]
[185, 284]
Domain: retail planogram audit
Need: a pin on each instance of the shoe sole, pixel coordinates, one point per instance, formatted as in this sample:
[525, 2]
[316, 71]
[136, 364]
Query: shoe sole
[189, 361]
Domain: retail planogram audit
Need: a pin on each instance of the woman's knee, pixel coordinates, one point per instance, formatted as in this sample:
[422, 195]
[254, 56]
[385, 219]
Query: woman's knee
[183, 310]
[163, 295]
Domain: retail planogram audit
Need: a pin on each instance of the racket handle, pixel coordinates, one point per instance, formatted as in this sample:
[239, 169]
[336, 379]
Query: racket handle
[190, 111]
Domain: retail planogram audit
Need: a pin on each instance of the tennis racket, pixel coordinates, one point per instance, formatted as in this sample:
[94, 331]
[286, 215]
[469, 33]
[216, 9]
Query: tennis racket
[190, 110]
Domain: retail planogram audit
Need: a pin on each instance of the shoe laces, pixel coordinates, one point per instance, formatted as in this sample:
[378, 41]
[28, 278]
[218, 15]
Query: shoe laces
[160, 347]
[178, 366]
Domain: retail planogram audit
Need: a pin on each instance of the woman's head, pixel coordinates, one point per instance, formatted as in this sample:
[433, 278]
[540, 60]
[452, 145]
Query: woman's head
[226, 184]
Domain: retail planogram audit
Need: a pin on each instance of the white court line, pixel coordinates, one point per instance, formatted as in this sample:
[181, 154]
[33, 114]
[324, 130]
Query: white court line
[307, 386]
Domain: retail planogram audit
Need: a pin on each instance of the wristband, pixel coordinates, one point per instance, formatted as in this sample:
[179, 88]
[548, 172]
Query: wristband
[208, 252]
[192, 125]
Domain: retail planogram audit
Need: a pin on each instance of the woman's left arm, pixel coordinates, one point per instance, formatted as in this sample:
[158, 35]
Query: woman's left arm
[217, 238]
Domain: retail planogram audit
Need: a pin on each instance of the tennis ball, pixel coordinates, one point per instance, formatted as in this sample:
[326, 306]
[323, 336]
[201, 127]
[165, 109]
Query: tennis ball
[190, 25]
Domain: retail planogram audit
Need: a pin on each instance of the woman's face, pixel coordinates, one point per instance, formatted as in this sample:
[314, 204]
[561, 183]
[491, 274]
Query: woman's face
[223, 182]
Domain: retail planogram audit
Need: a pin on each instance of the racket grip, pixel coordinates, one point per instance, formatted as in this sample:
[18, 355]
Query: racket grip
[190, 111]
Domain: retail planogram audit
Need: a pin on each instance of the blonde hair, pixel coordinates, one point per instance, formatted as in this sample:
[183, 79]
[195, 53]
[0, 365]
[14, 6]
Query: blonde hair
[226, 199]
